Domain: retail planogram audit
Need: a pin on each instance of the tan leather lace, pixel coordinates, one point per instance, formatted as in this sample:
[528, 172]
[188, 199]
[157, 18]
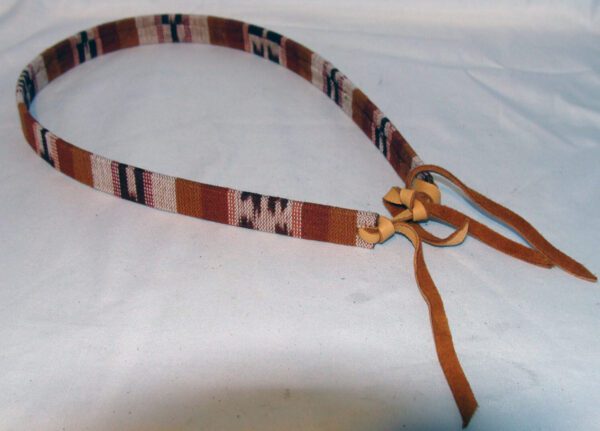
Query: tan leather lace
[421, 201]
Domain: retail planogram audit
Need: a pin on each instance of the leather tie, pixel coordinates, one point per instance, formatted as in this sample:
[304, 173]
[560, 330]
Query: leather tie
[420, 201]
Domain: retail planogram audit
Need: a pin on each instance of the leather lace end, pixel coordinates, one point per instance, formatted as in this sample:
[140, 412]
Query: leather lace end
[421, 201]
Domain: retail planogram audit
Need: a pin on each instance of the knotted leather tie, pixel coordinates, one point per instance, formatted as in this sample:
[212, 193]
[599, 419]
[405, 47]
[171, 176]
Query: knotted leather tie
[420, 201]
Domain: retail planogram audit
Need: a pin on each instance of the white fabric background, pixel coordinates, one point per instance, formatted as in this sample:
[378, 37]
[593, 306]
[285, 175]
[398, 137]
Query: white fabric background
[115, 316]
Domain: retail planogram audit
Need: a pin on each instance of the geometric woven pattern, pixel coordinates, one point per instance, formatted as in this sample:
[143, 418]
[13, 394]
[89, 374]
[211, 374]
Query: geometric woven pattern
[238, 208]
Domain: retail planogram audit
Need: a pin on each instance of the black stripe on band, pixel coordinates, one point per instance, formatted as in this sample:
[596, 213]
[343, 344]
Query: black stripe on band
[139, 185]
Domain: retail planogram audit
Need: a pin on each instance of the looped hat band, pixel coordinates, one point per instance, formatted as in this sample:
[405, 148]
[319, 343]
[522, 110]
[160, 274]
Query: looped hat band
[419, 200]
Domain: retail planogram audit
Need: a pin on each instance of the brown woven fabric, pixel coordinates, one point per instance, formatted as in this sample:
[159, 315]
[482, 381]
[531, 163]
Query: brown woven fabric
[219, 204]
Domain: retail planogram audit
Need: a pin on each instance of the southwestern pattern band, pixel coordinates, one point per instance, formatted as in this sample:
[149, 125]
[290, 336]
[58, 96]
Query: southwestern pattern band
[283, 216]
[419, 201]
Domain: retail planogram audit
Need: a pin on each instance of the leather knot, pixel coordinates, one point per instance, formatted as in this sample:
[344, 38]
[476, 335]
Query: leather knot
[407, 205]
